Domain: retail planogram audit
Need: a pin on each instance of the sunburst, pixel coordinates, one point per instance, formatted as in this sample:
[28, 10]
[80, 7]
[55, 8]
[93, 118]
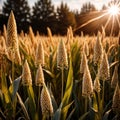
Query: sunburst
[113, 10]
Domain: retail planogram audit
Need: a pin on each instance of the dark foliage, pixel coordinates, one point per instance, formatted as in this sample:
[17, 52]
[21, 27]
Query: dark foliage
[43, 16]
[21, 11]
[65, 18]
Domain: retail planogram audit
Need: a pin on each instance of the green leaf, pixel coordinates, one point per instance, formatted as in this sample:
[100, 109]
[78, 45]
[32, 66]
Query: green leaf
[54, 103]
[49, 73]
[57, 114]
[14, 87]
[84, 116]
[114, 63]
[65, 110]
[69, 86]
[95, 105]
[2, 116]
[70, 115]
[32, 104]
[106, 115]
[23, 107]
[5, 89]
[68, 90]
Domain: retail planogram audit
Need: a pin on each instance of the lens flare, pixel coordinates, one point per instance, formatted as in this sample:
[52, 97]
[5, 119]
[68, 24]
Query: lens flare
[113, 10]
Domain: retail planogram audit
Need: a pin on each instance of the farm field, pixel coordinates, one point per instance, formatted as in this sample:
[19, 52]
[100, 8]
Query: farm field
[58, 77]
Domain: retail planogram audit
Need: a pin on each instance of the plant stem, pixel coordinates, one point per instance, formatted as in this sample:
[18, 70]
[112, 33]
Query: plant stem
[99, 105]
[13, 70]
[90, 102]
[38, 99]
[103, 96]
[62, 70]
[86, 104]
[44, 117]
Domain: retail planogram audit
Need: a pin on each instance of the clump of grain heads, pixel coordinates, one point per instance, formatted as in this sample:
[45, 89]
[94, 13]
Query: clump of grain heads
[26, 74]
[46, 103]
[39, 81]
[39, 58]
[116, 100]
[87, 86]
[103, 71]
[12, 40]
[62, 55]
[97, 84]
[98, 51]
[114, 77]
[83, 62]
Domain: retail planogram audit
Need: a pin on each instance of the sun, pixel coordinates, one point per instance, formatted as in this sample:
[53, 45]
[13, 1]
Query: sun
[114, 10]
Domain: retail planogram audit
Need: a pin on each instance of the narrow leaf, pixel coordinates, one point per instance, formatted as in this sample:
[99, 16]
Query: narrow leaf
[69, 86]
[84, 116]
[23, 107]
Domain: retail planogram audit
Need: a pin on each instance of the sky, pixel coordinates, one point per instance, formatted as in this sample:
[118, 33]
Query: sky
[76, 4]
[73, 4]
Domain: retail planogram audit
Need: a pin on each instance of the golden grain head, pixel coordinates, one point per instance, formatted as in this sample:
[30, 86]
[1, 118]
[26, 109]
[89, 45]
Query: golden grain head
[39, 80]
[31, 35]
[4, 32]
[97, 84]
[46, 103]
[26, 74]
[114, 80]
[86, 48]
[49, 33]
[103, 72]
[12, 40]
[39, 58]
[62, 60]
[83, 62]
[116, 100]
[71, 33]
[87, 85]
[98, 51]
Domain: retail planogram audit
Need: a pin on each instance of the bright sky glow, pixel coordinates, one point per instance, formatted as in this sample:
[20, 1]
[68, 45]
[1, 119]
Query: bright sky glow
[73, 4]
[113, 10]
[76, 4]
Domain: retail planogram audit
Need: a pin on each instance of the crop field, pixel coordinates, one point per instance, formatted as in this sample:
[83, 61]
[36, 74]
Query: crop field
[58, 77]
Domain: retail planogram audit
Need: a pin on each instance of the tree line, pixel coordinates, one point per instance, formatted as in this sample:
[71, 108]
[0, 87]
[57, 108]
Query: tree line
[43, 14]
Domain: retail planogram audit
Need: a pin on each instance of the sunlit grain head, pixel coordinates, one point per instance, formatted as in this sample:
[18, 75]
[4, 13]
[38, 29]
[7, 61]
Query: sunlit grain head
[39, 80]
[26, 74]
[46, 103]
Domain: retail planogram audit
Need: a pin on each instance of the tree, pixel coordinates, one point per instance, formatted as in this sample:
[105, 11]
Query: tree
[43, 16]
[65, 18]
[21, 11]
[104, 7]
[87, 7]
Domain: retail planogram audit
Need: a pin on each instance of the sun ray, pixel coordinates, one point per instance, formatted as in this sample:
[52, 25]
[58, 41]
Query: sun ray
[108, 21]
[118, 21]
[90, 21]
[113, 20]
